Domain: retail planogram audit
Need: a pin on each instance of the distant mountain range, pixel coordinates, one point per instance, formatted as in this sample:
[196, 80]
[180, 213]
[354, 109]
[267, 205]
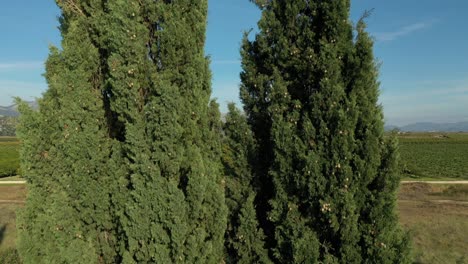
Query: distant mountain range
[12, 110]
[8, 110]
[432, 127]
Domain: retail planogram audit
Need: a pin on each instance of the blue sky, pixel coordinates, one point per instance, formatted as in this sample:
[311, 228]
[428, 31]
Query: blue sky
[423, 47]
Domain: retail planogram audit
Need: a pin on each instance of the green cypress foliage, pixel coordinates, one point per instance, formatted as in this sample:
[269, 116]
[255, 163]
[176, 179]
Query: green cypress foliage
[380, 235]
[123, 158]
[174, 210]
[244, 239]
[326, 173]
[68, 217]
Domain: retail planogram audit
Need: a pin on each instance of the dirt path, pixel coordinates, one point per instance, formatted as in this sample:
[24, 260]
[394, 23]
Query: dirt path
[12, 182]
[437, 182]
[451, 202]
[432, 182]
[12, 201]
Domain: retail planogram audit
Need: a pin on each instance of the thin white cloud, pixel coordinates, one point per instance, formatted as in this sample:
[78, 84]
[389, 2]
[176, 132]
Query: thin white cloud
[23, 65]
[406, 30]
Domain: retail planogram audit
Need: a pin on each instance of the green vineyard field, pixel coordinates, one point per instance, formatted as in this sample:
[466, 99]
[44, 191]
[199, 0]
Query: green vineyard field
[434, 155]
[9, 156]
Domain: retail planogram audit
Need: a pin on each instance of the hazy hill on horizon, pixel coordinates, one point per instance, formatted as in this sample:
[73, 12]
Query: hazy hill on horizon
[431, 127]
[8, 110]
[12, 111]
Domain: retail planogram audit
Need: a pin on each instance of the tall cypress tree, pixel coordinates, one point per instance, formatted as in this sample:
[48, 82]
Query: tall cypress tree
[68, 217]
[380, 236]
[326, 177]
[159, 89]
[244, 239]
[123, 158]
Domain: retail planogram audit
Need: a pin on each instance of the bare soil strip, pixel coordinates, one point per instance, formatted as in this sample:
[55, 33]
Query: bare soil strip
[451, 202]
[437, 182]
[431, 182]
[12, 201]
[12, 182]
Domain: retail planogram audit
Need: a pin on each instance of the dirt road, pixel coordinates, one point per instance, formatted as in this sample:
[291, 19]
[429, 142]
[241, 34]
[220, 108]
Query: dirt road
[12, 201]
[431, 182]
[437, 182]
[12, 182]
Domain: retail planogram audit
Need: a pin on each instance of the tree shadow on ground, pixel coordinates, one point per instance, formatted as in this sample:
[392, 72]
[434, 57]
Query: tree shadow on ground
[2, 233]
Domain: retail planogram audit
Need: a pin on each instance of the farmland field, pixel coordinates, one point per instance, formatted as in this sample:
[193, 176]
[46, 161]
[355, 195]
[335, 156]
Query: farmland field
[9, 156]
[434, 155]
[435, 216]
[423, 156]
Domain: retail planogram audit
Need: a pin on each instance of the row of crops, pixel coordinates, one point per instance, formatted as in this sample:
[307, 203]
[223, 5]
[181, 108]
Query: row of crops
[9, 156]
[423, 155]
[434, 155]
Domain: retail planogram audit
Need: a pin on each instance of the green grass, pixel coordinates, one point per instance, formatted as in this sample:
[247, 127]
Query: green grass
[434, 155]
[9, 156]
[10, 256]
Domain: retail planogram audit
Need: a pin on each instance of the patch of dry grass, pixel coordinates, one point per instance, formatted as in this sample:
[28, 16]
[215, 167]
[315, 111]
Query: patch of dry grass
[436, 216]
[11, 198]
